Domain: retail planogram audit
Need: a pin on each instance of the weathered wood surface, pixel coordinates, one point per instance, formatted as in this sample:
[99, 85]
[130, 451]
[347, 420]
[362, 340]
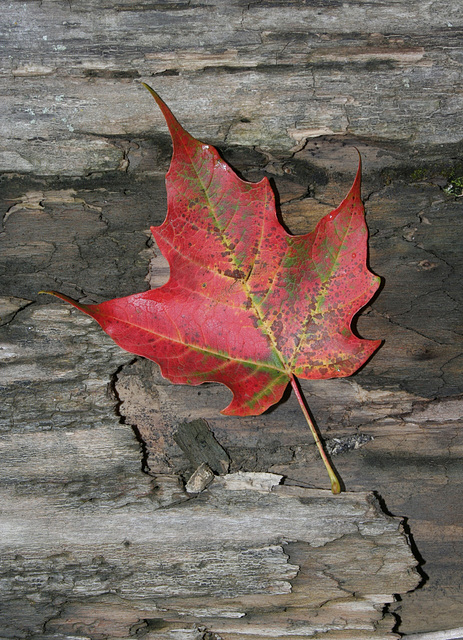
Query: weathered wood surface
[245, 556]
[266, 74]
[274, 77]
[92, 547]
[395, 427]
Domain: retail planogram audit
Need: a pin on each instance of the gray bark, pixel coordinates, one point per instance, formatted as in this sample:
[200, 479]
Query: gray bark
[93, 546]
[286, 90]
[263, 74]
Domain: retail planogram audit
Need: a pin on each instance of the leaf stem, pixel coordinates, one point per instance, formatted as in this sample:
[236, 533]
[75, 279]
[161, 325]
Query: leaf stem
[335, 484]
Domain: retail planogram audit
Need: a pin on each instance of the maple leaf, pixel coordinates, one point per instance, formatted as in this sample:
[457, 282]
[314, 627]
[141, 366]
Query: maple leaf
[247, 304]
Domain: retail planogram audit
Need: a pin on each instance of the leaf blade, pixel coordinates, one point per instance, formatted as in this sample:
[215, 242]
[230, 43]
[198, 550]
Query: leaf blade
[247, 304]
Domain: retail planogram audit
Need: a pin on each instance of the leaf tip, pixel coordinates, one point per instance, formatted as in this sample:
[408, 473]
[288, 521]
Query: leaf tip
[64, 298]
[172, 122]
[150, 89]
[162, 105]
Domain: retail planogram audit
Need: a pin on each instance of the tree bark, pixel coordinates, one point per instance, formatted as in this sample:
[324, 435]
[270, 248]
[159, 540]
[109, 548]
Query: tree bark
[285, 90]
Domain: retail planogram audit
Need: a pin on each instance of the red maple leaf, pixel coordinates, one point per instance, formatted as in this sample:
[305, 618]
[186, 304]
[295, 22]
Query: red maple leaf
[247, 304]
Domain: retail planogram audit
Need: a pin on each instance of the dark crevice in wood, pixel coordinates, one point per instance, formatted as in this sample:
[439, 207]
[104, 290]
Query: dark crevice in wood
[113, 390]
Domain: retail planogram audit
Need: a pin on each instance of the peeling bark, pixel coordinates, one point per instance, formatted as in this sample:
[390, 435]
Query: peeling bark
[287, 90]
[280, 74]
[93, 546]
[395, 427]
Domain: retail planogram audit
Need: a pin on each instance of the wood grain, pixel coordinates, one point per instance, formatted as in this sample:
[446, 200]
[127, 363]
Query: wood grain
[89, 457]
[267, 75]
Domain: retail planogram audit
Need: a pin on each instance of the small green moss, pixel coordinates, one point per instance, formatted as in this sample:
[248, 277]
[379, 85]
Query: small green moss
[454, 185]
[419, 174]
